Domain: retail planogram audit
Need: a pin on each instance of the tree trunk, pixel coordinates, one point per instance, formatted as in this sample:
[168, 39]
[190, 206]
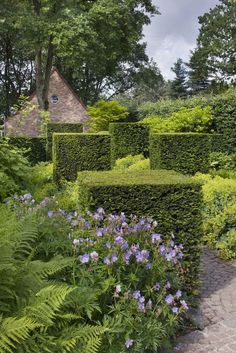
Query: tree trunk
[39, 77]
[48, 69]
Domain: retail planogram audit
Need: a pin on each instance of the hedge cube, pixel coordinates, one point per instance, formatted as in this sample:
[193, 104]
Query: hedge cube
[219, 143]
[60, 128]
[183, 152]
[174, 200]
[128, 138]
[76, 152]
[35, 145]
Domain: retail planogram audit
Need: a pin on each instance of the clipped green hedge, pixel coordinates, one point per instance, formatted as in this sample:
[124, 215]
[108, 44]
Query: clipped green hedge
[174, 200]
[60, 128]
[183, 152]
[219, 143]
[76, 152]
[128, 138]
[36, 146]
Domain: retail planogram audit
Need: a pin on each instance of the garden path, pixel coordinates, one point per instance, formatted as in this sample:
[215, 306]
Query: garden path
[216, 316]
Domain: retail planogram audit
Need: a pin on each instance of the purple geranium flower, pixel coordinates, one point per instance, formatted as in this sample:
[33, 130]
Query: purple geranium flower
[178, 294]
[184, 304]
[119, 240]
[169, 299]
[84, 258]
[129, 343]
[136, 294]
[157, 286]
[76, 242]
[94, 256]
[114, 258]
[107, 260]
[155, 237]
[175, 309]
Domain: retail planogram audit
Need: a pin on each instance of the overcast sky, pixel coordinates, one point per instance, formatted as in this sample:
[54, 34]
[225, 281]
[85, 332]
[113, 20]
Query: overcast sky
[173, 34]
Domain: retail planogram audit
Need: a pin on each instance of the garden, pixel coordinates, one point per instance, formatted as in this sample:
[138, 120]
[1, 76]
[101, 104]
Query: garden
[101, 231]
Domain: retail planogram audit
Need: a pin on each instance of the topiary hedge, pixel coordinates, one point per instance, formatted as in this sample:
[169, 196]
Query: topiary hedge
[219, 143]
[60, 128]
[128, 138]
[36, 146]
[172, 199]
[75, 152]
[183, 152]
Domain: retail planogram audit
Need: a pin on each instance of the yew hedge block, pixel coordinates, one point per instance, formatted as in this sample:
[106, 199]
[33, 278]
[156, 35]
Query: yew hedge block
[182, 152]
[77, 152]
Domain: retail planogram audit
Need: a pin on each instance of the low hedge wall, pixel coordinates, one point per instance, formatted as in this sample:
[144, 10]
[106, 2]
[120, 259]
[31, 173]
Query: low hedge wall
[183, 152]
[76, 152]
[60, 128]
[36, 146]
[128, 138]
[172, 199]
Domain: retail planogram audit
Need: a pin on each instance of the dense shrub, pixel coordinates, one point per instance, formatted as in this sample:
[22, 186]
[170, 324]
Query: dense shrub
[36, 147]
[74, 152]
[103, 113]
[219, 214]
[223, 113]
[219, 160]
[187, 153]
[169, 197]
[129, 163]
[60, 128]
[14, 170]
[128, 138]
[36, 313]
[219, 143]
[125, 276]
[185, 120]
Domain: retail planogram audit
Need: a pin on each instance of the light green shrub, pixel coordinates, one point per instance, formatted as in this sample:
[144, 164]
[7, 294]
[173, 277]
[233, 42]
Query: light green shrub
[103, 113]
[129, 163]
[219, 213]
[186, 120]
[220, 160]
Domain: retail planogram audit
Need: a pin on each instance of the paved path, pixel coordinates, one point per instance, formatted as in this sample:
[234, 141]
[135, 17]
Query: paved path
[216, 317]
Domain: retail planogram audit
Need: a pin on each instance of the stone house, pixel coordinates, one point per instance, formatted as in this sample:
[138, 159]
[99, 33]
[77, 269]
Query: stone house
[64, 106]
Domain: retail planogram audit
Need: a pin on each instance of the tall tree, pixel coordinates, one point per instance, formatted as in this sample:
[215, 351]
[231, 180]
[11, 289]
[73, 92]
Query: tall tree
[179, 84]
[77, 29]
[215, 55]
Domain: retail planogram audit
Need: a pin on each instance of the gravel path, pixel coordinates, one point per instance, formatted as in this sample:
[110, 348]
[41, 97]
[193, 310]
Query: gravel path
[216, 316]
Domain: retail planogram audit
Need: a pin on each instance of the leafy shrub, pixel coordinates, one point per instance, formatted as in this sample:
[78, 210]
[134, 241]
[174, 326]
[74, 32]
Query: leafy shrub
[74, 152]
[128, 276]
[132, 163]
[36, 313]
[185, 120]
[219, 160]
[35, 146]
[103, 113]
[169, 197]
[60, 127]
[14, 169]
[186, 152]
[219, 214]
[128, 138]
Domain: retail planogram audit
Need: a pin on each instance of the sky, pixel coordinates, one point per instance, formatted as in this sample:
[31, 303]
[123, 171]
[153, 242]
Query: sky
[173, 34]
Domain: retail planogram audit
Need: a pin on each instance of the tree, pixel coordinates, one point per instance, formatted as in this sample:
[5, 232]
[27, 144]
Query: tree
[106, 31]
[179, 84]
[214, 57]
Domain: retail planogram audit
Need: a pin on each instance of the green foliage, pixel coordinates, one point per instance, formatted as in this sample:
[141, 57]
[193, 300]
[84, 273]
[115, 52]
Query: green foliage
[219, 143]
[179, 84]
[36, 147]
[128, 138]
[36, 313]
[214, 57]
[14, 169]
[132, 163]
[61, 128]
[74, 152]
[219, 160]
[219, 214]
[172, 199]
[103, 113]
[185, 120]
[187, 153]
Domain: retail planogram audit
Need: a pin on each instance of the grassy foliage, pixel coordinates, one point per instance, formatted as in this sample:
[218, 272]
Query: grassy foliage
[132, 163]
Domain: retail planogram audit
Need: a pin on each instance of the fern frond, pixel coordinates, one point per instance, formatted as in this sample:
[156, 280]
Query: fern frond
[47, 303]
[13, 331]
